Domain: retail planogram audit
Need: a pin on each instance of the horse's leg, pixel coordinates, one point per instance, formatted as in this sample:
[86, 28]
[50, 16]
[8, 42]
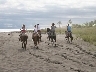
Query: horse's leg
[55, 38]
[71, 37]
[51, 38]
[35, 41]
[25, 46]
[38, 39]
[22, 44]
[26, 41]
[68, 40]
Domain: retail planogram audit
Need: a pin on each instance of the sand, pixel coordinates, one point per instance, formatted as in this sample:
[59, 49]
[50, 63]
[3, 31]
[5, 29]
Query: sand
[79, 56]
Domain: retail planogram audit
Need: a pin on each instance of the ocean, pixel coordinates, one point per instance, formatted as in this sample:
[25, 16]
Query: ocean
[11, 30]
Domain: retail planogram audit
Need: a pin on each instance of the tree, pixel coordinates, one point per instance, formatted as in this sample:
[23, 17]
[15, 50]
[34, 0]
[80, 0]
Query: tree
[70, 21]
[59, 23]
[59, 26]
[94, 21]
[86, 24]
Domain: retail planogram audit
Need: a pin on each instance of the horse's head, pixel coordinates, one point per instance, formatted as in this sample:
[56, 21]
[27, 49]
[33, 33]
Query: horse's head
[48, 29]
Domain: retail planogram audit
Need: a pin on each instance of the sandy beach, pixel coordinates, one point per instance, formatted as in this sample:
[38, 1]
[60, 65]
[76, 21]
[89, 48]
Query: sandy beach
[79, 56]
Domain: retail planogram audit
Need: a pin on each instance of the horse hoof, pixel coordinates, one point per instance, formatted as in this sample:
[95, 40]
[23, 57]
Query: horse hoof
[37, 47]
[48, 44]
[30, 53]
[55, 44]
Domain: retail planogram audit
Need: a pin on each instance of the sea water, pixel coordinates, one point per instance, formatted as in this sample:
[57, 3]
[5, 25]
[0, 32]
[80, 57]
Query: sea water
[11, 30]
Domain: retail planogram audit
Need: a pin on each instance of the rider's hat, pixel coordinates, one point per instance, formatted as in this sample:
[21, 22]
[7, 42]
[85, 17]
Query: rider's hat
[53, 24]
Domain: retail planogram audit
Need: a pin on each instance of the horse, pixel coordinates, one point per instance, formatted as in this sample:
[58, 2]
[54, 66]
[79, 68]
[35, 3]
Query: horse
[69, 35]
[35, 38]
[23, 39]
[39, 32]
[51, 35]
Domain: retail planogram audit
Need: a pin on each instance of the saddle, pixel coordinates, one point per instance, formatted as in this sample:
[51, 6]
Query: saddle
[34, 35]
[68, 34]
[53, 33]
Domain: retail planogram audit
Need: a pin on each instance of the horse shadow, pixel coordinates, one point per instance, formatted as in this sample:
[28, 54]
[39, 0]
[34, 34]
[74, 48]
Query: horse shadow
[21, 50]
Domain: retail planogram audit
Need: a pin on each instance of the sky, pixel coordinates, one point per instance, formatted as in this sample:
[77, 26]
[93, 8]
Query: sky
[14, 13]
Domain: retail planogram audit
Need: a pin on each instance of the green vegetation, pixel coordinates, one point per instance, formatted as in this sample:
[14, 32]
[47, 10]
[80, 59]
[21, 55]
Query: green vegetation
[87, 32]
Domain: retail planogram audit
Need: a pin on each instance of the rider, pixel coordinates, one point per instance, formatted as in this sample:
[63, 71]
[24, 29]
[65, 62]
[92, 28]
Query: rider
[38, 29]
[23, 31]
[34, 31]
[53, 34]
[68, 30]
[53, 28]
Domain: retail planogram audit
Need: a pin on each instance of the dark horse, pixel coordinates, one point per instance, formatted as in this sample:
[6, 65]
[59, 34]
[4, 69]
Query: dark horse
[68, 35]
[35, 39]
[51, 35]
[23, 39]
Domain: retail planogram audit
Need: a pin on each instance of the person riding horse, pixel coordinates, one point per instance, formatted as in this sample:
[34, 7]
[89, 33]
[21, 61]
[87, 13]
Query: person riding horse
[23, 37]
[23, 31]
[35, 36]
[53, 34]
[39, 31]
[34, 32]
[69, 33]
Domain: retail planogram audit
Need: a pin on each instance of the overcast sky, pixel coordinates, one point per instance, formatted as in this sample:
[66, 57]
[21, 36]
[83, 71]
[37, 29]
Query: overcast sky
[14, 13]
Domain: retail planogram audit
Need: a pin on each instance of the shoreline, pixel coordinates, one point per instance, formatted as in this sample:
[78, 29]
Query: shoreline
[11, 30]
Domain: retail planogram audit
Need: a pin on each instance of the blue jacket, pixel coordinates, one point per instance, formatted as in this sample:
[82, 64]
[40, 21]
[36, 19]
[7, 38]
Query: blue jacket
[68, 28]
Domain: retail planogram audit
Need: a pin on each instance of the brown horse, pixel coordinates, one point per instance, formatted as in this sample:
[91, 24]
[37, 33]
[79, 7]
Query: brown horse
[39, 32]
[23, 39]
[35, 38]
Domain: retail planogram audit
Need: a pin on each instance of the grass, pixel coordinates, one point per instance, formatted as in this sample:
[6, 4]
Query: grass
[88, 34]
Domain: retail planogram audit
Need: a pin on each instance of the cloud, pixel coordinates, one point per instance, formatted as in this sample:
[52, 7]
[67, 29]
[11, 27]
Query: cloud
[31, 12]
